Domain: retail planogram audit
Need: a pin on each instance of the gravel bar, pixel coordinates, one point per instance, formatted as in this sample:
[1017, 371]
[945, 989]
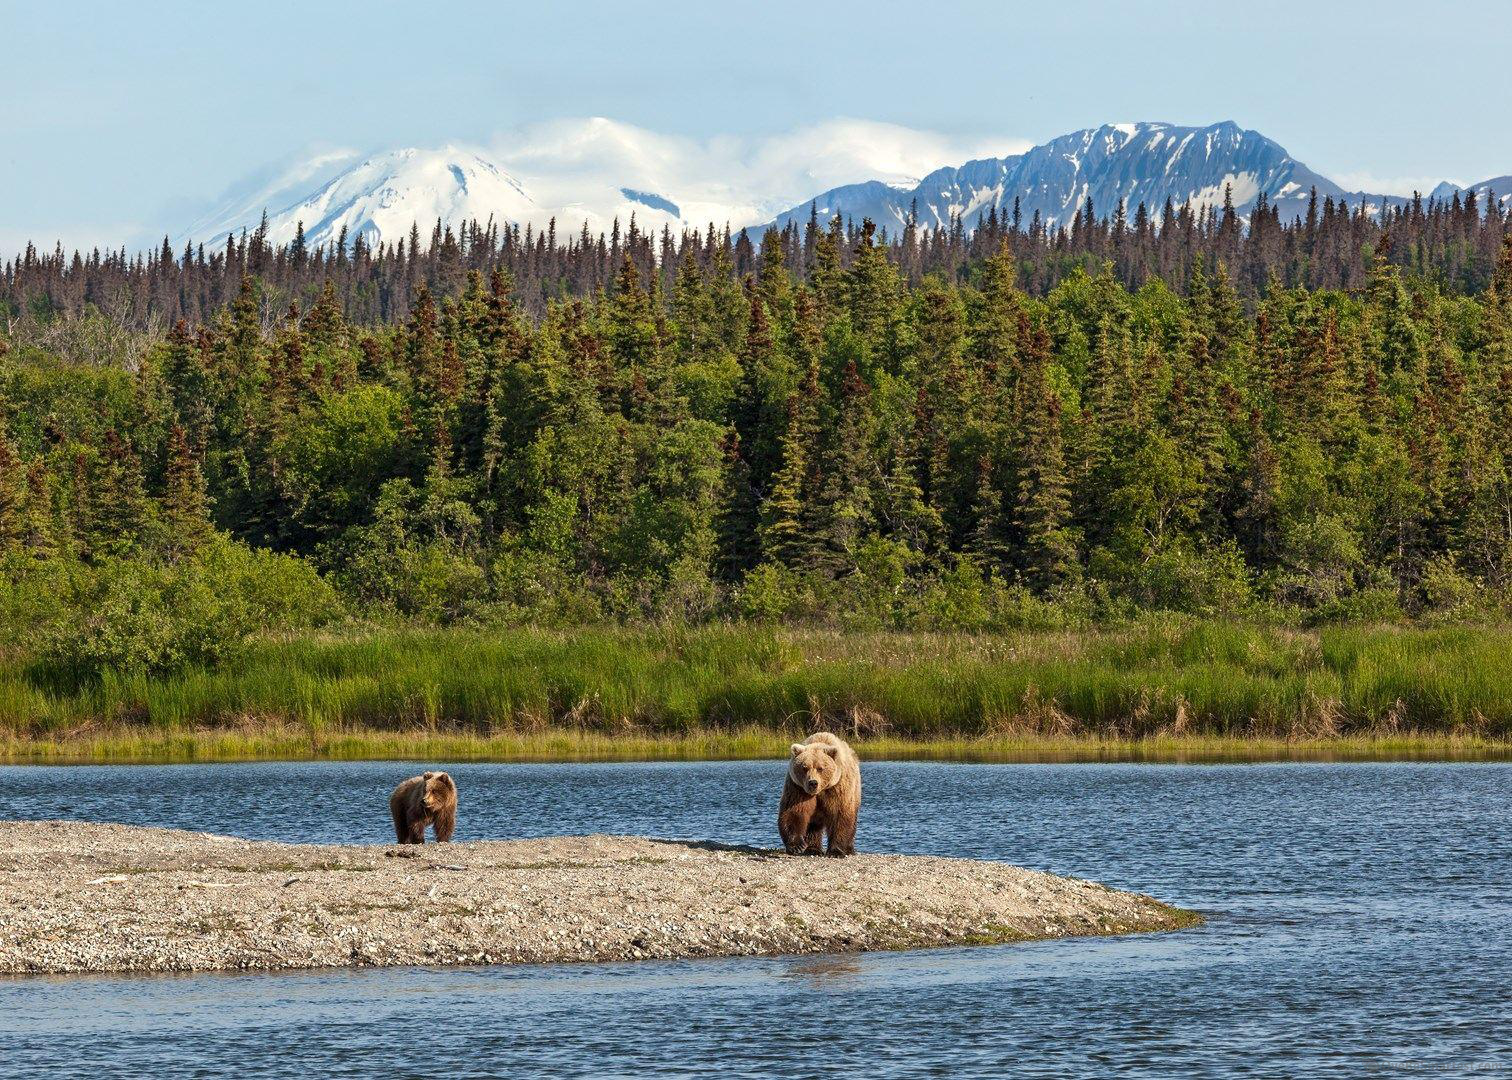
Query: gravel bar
[84, 897]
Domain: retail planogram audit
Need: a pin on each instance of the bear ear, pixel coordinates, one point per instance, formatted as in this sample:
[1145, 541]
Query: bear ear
[832, 751]
[798, 748]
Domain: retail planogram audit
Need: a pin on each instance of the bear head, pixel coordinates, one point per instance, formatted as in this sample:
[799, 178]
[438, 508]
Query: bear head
[439, 790]
[815, 766]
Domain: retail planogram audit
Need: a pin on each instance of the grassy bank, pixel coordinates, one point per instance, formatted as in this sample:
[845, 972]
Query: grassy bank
[148, 746]
[1172, 689]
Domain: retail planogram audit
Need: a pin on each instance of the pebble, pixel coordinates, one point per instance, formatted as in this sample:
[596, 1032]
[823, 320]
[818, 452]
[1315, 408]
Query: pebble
[85, 897]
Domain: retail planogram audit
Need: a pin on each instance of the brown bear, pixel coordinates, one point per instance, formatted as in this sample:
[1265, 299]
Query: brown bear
[428, 799]
[822, 795]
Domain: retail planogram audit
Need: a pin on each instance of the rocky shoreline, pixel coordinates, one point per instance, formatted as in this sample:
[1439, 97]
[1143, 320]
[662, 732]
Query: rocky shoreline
[84, 897]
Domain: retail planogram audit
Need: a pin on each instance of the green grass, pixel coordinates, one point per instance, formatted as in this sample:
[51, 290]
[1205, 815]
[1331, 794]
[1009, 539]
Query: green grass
[139, 745]
[1192, 687]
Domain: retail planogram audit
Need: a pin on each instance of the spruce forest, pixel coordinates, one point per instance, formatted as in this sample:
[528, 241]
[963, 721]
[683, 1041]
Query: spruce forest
[1004, 427]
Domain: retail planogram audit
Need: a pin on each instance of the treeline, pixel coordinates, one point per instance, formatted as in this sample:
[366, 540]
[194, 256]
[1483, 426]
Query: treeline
[1451, 243]
[836, 445]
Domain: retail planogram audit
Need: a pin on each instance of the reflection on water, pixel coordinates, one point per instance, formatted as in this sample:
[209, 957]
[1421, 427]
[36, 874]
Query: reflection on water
[826, 971]
[1358, 919]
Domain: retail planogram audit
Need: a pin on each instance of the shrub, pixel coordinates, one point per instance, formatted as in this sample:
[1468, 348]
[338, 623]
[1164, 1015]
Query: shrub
[955, 600]
[133, 615]
[1210, 580]
[416, 557]
[531, 586]
[1376, 604]
[773, 593]
[1447, 592]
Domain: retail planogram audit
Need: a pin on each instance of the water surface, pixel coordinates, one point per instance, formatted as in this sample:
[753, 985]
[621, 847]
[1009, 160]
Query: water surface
[1360, 923]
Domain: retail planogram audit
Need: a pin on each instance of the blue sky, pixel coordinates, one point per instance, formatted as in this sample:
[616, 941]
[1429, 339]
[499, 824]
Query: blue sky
[122, 120]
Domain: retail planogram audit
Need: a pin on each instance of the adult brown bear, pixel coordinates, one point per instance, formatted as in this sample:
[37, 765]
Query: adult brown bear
[822, 796]
[428, 799]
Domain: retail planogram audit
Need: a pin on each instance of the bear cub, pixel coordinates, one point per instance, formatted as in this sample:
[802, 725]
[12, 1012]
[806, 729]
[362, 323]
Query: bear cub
[821, 797]
[428, 799]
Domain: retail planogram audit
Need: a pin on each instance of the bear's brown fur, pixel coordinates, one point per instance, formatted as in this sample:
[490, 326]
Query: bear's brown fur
[428, 799]
[822, 796]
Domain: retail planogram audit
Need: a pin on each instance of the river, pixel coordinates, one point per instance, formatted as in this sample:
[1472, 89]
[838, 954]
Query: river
[1360, 923]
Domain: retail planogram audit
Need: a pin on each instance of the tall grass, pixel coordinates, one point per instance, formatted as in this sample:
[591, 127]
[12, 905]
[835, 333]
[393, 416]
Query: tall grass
[1164, 678]
[271, 743]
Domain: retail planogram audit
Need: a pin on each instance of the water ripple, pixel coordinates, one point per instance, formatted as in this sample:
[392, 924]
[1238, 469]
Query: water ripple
[1359, 926]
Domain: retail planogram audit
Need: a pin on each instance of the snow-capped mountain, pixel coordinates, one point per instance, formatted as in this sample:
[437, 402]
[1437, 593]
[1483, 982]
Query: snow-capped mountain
[1147, 163]
[597, 171]
[579, 171]
[1500, 187]
[381, 196]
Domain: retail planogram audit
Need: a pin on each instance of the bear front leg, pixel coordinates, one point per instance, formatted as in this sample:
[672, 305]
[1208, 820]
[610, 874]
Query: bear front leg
[416, 834]
[793, 822]
[842, 835]
[445, 825]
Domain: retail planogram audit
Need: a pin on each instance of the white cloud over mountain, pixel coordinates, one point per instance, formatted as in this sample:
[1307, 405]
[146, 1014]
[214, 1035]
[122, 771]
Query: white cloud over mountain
[585, 170]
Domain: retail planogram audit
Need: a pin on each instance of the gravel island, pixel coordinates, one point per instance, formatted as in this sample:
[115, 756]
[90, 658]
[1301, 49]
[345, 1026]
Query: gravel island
[83, 897]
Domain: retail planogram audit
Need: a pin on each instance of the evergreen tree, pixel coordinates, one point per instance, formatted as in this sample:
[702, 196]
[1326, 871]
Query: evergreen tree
[842, 510]
[785, 532]
[1042, 507]
[12, 494]
[121, 513]
[39, 526]
[739, 521]
[826, 279]
[872, 289]
[186, 516]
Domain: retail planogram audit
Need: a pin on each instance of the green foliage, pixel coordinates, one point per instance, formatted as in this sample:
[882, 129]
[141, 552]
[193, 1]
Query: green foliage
[1171, 676]
[336, 457]
[129, 615]
[821, 433]
[416, 557]
[1210, 581]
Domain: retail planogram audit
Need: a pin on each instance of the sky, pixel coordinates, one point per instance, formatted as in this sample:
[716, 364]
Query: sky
[124, 121]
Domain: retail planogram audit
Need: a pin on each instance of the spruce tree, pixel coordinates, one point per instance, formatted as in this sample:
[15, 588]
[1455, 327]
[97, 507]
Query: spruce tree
[995, 336]
[1042, 507]
[826, 278]
[990, 540]
[186, 515]
[775, 282]
[121, 511]
[739, 520]
[694, 333]
[785, 530]
[872, 288]
[12, 494]
[842, 508]
[39, 525]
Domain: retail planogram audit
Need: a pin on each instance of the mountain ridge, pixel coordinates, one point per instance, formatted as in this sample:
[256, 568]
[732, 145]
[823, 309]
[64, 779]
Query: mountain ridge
[1147, 162]
[383, 196]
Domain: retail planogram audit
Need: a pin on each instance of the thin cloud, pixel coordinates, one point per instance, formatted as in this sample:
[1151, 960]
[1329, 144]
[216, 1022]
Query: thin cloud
[740, 178]
[1389, 185]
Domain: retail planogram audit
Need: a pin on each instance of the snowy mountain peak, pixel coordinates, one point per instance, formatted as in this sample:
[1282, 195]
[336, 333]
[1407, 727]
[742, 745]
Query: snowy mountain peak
[1133, 162]
[595, 172]
[1499, 188]
[381, 197]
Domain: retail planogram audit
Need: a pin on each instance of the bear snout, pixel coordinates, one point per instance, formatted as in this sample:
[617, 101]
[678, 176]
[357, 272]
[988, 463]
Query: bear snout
[811, 786]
